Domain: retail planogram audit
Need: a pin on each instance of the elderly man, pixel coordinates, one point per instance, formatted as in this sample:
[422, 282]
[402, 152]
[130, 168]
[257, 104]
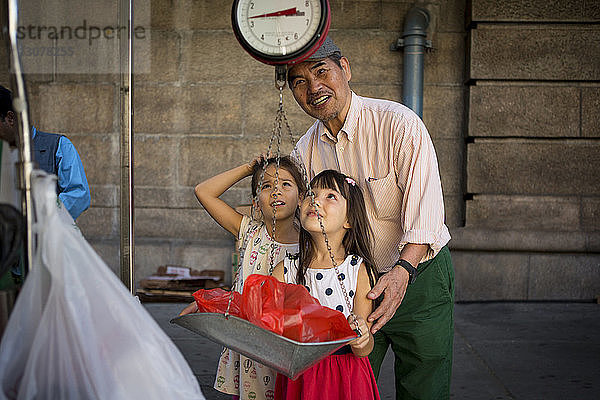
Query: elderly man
[54, 154]
[387, 149]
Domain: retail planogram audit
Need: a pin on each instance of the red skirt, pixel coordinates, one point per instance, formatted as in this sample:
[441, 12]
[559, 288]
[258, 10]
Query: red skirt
[337, 377]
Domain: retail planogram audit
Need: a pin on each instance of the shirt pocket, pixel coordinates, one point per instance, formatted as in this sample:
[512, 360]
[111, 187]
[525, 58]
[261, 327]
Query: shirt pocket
[386, 195]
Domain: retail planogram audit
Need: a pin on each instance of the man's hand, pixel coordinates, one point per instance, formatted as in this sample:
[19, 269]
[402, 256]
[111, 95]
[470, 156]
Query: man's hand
[393, 286]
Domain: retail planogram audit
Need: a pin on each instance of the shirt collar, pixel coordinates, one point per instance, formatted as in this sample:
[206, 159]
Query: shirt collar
[350, 124]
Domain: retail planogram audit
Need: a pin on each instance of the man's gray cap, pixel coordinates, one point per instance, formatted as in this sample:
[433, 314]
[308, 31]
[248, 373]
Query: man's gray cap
[327, 48]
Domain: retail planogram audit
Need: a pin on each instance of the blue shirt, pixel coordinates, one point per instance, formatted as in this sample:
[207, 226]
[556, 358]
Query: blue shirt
[73, 189]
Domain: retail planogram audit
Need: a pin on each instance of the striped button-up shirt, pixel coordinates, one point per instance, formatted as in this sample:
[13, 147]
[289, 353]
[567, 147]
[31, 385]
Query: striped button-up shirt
[386, 148]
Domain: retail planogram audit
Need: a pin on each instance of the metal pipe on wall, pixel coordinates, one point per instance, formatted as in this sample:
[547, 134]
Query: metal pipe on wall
[126, 220]
[414, 43]
[25, 165]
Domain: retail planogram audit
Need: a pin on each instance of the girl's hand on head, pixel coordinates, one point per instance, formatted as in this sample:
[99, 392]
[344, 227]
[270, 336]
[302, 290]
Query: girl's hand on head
[191, 308]
[362, 345]
[258, 160]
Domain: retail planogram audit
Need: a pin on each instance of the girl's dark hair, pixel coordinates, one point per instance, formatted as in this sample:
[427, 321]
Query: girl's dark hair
[286, 163]
[358, 239]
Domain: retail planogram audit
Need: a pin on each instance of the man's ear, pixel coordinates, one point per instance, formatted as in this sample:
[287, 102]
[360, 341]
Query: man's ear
[346, 68]
[11, 119]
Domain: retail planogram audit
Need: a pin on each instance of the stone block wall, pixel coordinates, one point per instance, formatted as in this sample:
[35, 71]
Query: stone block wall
[533, 155]
[204, 106]
[511, 98]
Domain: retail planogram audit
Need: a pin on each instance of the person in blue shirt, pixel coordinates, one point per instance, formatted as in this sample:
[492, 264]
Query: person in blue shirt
[54, 154]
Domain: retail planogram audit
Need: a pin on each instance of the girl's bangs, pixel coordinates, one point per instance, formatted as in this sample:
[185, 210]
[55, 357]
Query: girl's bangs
[330, 180]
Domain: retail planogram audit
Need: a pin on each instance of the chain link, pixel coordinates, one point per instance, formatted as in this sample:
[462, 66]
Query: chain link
[276, 184]
[335, 266]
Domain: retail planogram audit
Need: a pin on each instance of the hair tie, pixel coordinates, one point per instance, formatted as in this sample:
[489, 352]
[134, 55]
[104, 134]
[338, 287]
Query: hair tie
[350, 181]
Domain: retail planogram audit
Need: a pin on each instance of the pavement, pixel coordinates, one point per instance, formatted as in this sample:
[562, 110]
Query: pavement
[502, 351]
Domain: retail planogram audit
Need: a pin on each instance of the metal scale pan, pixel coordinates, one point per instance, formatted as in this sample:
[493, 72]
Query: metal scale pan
[289, 357]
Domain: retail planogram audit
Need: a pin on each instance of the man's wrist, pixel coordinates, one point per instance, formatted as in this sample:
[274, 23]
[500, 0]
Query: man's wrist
[412, 271]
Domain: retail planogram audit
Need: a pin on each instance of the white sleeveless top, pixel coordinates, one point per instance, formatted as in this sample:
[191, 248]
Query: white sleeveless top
[323, 284]
[257, 254]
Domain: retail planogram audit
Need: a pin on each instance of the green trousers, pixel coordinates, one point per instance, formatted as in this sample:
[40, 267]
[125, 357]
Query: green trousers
[421, 334]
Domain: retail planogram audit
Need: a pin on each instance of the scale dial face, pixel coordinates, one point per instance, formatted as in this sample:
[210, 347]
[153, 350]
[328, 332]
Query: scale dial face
[280, 31]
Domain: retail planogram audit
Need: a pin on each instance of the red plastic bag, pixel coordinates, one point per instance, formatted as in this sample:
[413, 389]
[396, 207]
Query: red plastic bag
[289, 310]
[216, 300]
[307, 321]
[286, 309]
[263, 302]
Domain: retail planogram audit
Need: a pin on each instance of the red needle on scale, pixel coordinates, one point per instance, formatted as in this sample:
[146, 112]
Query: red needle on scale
[289, 11]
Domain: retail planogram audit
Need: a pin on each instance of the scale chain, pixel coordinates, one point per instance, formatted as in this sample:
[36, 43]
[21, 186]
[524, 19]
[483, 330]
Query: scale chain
[335, 267]
[312, 195]
[319, 217]
[281, 119]
[275, 133]
[276, 184]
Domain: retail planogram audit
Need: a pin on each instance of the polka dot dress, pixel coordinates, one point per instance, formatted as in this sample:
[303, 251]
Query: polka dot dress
[324, 284]
[337, 376]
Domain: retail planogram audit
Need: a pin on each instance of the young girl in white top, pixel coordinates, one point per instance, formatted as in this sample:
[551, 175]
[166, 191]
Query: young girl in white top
[280, 195]
[346, 374]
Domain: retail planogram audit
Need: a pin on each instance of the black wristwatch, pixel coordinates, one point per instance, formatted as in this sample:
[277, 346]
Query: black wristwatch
[412, 271]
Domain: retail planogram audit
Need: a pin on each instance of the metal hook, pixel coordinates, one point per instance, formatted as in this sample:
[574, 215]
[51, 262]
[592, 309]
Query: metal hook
[280, 76]
[280, 79]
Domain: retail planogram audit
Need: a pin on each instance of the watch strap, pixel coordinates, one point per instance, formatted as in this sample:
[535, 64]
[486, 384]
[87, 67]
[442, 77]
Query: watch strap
[412, 271]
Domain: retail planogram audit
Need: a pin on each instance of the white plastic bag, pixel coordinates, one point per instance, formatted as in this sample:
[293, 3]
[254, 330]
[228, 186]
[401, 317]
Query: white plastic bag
[76, 332]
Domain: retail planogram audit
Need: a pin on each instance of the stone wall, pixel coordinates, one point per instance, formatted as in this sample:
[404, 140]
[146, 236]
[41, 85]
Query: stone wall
[510, 100]
[533, 155]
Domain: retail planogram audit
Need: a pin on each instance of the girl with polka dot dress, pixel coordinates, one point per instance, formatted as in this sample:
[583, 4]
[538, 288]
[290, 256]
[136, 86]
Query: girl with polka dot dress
[345, 374]
[278, 197]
